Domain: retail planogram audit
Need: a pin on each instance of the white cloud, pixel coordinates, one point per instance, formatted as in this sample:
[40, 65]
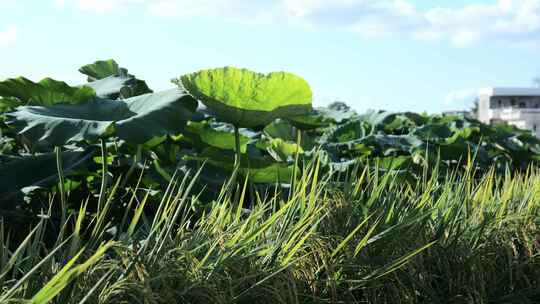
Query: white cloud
[237, 10]
[8, 36]
[516, 21]
[96, 5]
[461, 98]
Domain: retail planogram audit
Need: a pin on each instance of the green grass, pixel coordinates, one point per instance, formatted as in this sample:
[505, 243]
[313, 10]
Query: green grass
[360, 238]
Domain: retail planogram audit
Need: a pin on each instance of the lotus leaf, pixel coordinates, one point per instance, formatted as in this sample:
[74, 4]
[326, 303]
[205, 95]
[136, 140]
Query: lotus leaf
[279, 149]
[39, 170]
[258, 169]
[312, 120]
[136, 119]
[249, 99]
[47, 92]
[214, 137]
[109, 80]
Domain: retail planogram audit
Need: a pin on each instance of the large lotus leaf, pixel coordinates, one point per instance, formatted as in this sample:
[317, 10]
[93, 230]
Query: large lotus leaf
[219, 138]
[38, 170]
[47, 92]
[249, 99]
[110, 80]
[136, 119]
[156, 114]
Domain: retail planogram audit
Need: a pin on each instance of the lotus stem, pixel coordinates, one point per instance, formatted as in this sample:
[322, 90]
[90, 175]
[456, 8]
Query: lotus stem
[237, 147]
[236, 164]
[61, 189]
[296, 157]
[104, 168]
[136, 159]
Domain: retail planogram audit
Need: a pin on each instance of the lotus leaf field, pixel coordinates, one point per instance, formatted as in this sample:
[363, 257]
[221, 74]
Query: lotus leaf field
[230, 187]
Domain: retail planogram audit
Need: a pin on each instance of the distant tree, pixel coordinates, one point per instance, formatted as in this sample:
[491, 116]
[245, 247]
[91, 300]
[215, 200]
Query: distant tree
[339, 106]
[536, 81]
[474, 108]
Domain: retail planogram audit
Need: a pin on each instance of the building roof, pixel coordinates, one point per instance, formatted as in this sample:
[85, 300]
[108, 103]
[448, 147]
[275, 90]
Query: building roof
[510, 91]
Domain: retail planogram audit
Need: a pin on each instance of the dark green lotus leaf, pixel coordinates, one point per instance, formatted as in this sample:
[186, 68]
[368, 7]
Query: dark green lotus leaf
[38, 171]
[102, 69]
[284, 130]
[433, 132]
[378, 120]
[465, 134]
[47, 92]
[382, 144]
[261, 169]
[389, 144]
[110, 80]
[61, 124]
[338, 111]
[210, 135]
[417, 119]
[156, 114]
[458, 151]
[114, 87]
[249, 99]
[349, 131]
[392, 123]
[323, 117]
[8, 104]
[137, 119]
[281, 129]
[312, 120]
[401, 123]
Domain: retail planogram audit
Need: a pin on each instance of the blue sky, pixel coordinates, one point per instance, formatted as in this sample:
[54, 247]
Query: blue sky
[395, 55]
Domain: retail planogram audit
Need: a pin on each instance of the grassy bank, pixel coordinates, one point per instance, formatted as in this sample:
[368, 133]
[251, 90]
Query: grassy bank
[366, 239]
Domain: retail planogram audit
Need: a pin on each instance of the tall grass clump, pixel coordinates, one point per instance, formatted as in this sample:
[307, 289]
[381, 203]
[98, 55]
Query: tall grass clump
[363, 237]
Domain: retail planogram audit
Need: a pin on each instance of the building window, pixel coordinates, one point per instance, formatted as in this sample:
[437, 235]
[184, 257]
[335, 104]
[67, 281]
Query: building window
[513, 102]
[522, 105]
[534, 127]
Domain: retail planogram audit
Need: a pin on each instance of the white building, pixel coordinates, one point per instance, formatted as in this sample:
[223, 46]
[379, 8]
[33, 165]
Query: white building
[517, 106]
